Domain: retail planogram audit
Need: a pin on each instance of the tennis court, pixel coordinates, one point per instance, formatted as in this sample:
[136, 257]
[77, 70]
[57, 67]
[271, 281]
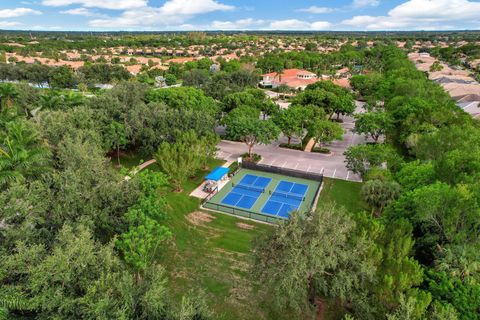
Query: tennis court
[264, 196]
[247, 191]
[287, 197]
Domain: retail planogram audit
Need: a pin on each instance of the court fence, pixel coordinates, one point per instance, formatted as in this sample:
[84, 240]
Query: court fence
[242, 213]
[284, 171]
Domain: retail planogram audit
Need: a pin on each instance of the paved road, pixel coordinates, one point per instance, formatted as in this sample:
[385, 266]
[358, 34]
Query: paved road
[332, 165]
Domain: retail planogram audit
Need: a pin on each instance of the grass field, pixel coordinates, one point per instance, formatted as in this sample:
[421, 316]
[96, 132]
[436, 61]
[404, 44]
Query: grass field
[212, 252]
[343, 193]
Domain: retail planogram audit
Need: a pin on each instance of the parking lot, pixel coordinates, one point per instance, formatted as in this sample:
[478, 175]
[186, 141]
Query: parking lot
[331, 165]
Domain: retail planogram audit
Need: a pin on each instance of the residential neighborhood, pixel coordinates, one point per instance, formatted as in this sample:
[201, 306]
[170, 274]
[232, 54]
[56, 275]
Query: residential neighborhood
[240, 160]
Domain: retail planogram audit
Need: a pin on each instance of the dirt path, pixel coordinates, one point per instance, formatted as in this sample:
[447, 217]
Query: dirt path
[321, 309]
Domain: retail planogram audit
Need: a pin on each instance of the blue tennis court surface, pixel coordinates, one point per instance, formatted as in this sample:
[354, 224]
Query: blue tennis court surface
[287, 197]
[247, 191]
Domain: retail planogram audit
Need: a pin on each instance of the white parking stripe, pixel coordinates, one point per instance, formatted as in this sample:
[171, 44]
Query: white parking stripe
[335, 171]
[348, 173]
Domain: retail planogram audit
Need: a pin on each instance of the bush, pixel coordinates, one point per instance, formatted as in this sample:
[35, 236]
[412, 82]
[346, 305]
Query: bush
[321, 150]
[253, 158]
[233, 167]
[291, 146]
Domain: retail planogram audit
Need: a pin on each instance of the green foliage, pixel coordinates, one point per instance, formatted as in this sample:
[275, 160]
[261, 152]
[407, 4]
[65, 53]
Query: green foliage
[8, 93]
[378, 194]
[303, 258]
[416, 174]
[22, 155]
[116, 135]
[184, 98]
[372, 124]
[176, 160]
[140, 244]
[183, 158]
[291, 122]
[62, 77]
[362, 158]
[463, 296]
[170, 79]
[250, 130]
[325, 131]
[101, 73]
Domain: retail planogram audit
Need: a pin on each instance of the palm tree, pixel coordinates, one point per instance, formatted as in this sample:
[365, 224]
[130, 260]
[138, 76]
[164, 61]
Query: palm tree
[21, 156]
[73, 99]
[7, 94]
[51, 101]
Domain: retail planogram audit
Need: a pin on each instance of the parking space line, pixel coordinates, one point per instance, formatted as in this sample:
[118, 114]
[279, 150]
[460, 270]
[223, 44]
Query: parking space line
[297, 165]
[348, 173]
[334, 171]
[309, 166]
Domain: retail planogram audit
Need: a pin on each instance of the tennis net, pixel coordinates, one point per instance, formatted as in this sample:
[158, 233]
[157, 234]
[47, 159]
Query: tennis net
[249, 187]
[289, 195]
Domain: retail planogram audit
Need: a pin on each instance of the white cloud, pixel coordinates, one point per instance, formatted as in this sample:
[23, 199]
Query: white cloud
[290, 24]
[320, 25]
[365, 3]
[189, 7]
[421, 15]
[316, 10]
[9, 24]
[173, 12]
[81, 12]
[103, 4]
[17, 12]
[295, 24]
[242, 24]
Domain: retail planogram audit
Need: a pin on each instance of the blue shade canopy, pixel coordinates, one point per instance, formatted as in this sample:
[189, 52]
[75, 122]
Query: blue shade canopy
[217, 174]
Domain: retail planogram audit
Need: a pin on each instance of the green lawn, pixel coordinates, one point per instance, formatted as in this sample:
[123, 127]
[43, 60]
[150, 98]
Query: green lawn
[344, 193]
[213, 252]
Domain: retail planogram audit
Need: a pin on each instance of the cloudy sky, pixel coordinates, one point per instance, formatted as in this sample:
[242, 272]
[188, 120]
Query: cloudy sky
[239, 14]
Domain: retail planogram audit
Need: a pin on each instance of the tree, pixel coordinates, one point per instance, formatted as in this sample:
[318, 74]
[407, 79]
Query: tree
[177, 161]
[309, 257]
[373, 124]
[22, 156]
[62, 77]
[7, 95]
[140, 244]
[291, 121]
[204, 147]
[359, 159]
[170, 79]
[325, 131]
[379, 194]
[116, 136]
[251, 131]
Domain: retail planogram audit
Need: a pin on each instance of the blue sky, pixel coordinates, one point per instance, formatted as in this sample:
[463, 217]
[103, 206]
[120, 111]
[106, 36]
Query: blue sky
[239, 14]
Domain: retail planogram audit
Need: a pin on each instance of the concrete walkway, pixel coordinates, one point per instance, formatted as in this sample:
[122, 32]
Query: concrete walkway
[309, 146]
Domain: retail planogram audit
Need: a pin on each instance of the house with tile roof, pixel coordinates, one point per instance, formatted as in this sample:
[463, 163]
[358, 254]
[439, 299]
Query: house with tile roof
[294, 78]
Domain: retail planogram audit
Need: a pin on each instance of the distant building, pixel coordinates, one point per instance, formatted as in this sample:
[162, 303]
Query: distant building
[294, 78]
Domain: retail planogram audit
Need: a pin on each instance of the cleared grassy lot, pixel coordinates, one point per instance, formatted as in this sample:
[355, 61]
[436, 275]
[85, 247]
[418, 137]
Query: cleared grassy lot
[212, 252]
[343, 193]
